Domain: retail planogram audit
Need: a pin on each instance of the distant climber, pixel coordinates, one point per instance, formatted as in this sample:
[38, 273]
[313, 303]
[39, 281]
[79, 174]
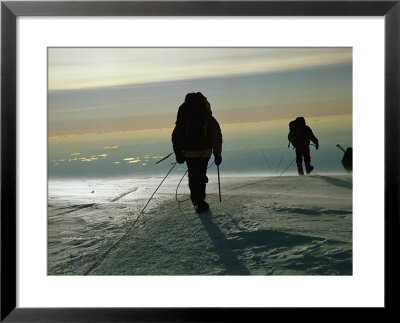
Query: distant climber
[347, 160]
[195, 137]
[300, 136]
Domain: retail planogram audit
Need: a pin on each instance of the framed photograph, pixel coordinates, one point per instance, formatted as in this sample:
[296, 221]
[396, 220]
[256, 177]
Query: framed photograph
[187, 160]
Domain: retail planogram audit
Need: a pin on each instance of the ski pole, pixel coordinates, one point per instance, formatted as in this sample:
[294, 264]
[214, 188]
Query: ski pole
[340, 147]
[219, 185]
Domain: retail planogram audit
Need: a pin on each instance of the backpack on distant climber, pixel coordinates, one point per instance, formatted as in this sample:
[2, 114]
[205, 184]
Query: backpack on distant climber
[297, 132]
[347, 160]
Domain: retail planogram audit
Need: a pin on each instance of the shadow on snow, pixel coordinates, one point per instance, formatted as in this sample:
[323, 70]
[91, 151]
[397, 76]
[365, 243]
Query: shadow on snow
[223, 246]
[313, 262]
[336, 181]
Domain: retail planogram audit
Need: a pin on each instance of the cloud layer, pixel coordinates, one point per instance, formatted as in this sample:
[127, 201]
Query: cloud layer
[81, 68]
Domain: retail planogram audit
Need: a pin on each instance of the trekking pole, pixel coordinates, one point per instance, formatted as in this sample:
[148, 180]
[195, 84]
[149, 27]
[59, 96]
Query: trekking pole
[219, 185]
[340, 147]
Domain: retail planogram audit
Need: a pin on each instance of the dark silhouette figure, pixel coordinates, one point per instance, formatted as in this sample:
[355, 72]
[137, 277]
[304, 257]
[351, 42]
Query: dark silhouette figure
[195, 137]
[347, 160]
[300, 136]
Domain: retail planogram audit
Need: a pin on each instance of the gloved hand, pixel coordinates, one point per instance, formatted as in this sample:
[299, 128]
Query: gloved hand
[217, 160]
[316, 145]
[180, 159]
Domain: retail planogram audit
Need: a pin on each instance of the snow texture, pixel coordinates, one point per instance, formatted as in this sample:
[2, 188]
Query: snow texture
[277, 225]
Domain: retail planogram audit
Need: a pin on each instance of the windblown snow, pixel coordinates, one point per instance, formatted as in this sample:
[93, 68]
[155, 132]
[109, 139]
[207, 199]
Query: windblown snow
[276, 225]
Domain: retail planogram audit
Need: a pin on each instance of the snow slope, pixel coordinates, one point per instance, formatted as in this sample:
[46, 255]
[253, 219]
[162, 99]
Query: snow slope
[287, 225]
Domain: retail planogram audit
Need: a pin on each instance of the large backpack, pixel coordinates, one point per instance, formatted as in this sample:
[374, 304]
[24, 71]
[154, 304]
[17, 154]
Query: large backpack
[347, 160]
[297, 132]
[191, 126]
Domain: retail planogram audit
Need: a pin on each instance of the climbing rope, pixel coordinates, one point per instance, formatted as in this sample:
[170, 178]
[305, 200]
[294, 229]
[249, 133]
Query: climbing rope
[264, 180]
[265, 157]
[130, 228]
[176, 192]
[280, 161]
[287, 167]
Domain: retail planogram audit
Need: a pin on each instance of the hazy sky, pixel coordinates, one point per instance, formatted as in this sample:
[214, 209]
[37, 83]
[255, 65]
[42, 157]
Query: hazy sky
[119, 89]
[101, 94]
[80, 68]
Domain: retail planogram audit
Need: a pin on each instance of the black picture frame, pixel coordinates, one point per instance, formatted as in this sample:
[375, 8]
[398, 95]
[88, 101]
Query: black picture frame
[10, 10]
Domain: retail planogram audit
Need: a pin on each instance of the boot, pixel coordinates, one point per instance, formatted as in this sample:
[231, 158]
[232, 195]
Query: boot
[300, 168]
[309, 168]
[201, 206]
